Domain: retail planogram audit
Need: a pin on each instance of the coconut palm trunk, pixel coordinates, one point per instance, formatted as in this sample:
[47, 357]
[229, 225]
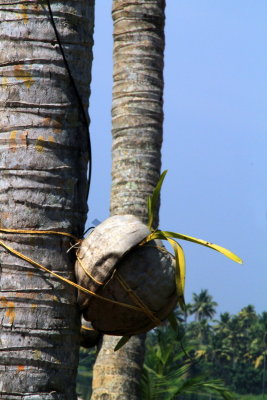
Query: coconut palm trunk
[43, 166]
[137, 117]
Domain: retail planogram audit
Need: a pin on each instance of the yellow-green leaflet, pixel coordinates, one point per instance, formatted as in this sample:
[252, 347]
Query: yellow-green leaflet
[216, 247]
[179, 265]
[123, 340]
[152, 201]
[179, 271]
[166, 234]
[154, 235]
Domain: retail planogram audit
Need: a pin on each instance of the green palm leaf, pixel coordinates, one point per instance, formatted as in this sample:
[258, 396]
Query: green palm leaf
[167, 234]
[173, 322]
[123, 340]
[167, 374]
[213, 246]
[179, 271]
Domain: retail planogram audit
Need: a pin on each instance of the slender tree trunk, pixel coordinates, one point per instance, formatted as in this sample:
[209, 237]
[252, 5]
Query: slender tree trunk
[43, 164]
[137, 136]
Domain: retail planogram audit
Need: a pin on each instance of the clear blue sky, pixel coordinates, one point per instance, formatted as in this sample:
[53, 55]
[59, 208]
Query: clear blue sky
[215, 140]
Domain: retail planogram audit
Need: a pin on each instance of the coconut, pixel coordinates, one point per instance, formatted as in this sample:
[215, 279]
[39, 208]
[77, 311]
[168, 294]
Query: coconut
[134, 285]
[89, 337]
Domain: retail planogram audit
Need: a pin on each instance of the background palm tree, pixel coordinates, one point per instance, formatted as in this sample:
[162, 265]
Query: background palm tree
[137, 118]
[43, 163]
[203, 305]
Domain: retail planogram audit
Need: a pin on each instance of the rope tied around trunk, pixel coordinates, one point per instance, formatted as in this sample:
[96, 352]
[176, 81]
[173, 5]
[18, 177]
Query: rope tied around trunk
[140, 306]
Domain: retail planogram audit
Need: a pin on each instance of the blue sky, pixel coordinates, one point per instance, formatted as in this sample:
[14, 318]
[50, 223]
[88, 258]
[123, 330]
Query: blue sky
[215, 140]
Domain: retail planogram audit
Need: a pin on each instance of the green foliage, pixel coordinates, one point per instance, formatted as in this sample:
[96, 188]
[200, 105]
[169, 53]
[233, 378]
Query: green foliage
[168, 370]
[203, 306]
[253, 397]
[234, 347]
[84, 375]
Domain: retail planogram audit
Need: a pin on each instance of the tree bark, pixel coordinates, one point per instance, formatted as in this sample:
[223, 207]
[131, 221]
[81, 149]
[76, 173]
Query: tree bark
[137, 117]
[43, 164]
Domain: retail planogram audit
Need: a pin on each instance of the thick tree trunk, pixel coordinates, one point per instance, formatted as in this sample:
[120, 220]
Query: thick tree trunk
[137, 137]
[43, 164]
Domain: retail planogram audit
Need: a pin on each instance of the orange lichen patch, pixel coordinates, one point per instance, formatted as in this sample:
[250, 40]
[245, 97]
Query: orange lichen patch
[12, 141]
[27, 295]
[54, 123]
[21, 368]
[34, 305]
[54, 298]
[4, 215]
[24, 75]
[23, 138]
[58, 124]
[4, 81]
[51, 139]
[3, 301]
[47, 121]
[24, 13]
[10, 313]
[37, 354]
[40, 144]
[30, 274]
[36, 7]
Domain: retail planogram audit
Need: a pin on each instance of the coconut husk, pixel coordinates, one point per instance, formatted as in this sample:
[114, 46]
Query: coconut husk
[112, 264]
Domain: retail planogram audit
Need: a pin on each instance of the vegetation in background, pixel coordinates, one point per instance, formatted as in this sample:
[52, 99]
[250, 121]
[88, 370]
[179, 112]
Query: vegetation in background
[203, 358]
[233, 347]
[84, 375]
[170, 371]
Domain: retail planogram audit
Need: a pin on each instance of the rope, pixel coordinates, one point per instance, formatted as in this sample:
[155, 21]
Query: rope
[87, 273]
[86, 328]
[36, 264]
[137, 300]
[84, 116]
[33, 232]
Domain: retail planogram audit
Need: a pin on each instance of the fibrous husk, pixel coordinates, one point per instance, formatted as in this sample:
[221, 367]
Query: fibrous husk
[111, 263]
